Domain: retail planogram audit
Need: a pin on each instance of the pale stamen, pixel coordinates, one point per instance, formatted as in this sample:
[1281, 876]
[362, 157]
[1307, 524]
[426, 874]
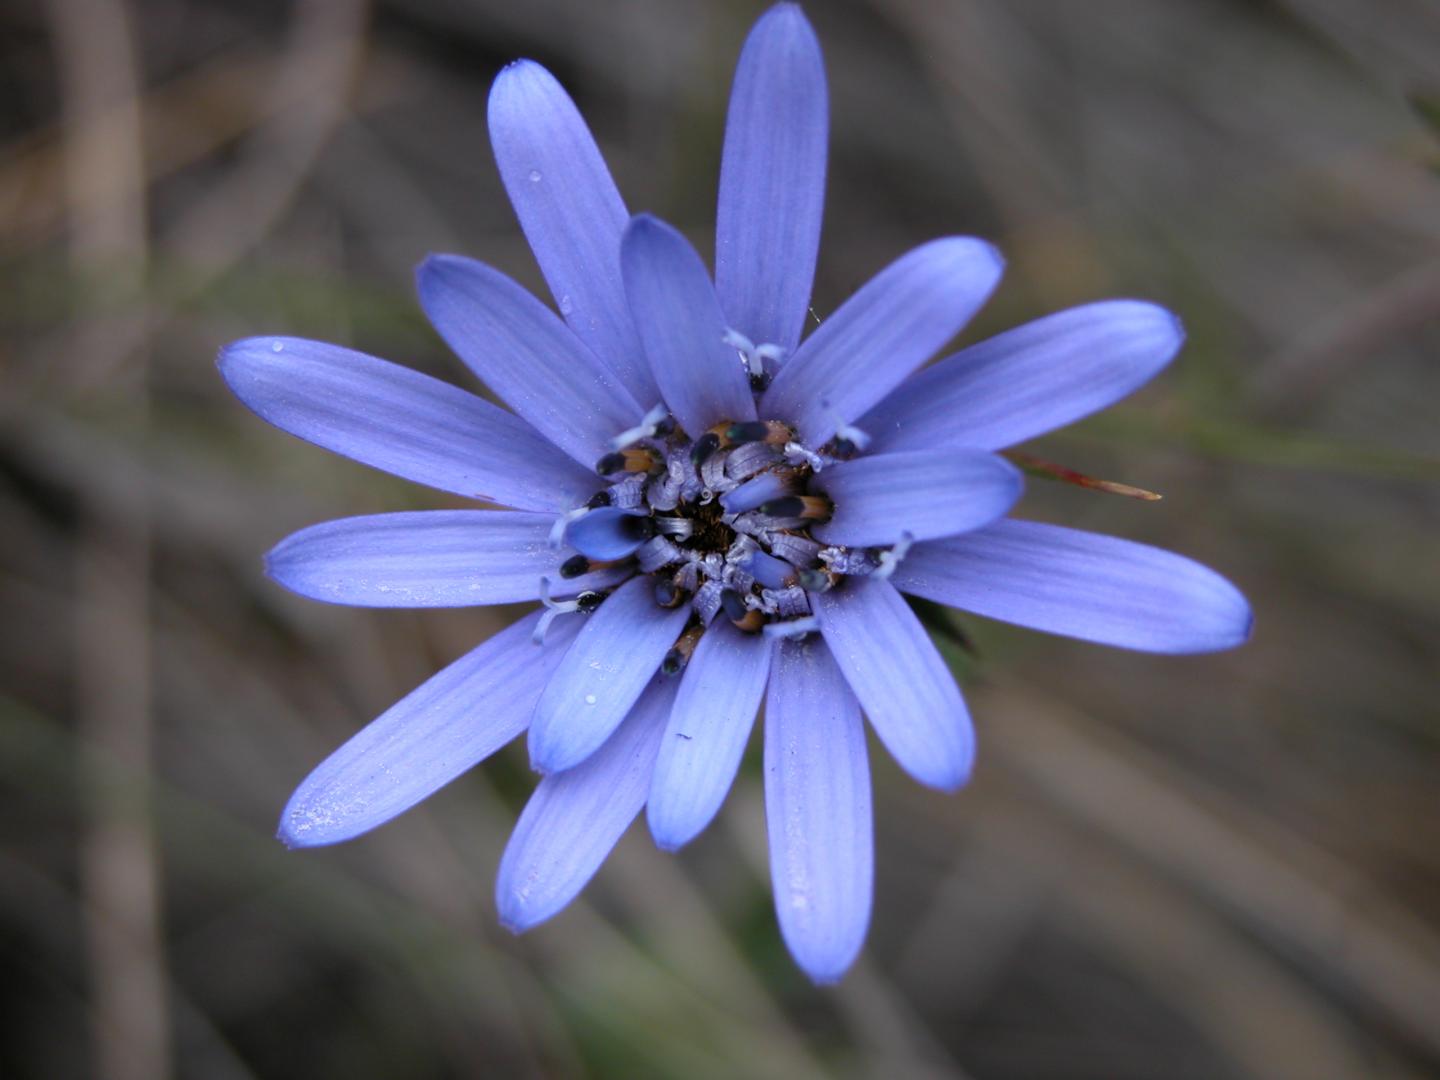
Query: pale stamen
[792, 628]
[585, 603]
[889, 560]
[754, 357]
[848, 437]
[563, 522]
[649, 426]
[800, 455]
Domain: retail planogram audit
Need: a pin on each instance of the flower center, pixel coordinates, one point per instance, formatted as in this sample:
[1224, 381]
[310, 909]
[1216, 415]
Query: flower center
[720, 521]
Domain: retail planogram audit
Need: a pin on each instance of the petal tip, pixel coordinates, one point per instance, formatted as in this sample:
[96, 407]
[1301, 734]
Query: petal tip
[433, 264]
[301, 827]
[280, 568]
[288, 838]
[239, 361]
[1166, 329]
[512, 914]
[826, 966]
[237, 354]
[511, 918]
[668, 836]
[983, 249]
[788, 13]
[1239, 621]
[948, 776]
[1178, 325]
[826, 976]
[646, 224]
[539, 764]
[1222, 622]
[1247, 627]
[518, 72]
[222, 357]
[547, 753]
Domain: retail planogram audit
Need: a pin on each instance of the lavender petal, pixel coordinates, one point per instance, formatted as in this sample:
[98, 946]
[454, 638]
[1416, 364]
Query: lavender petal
[817, 810]
[902, 683]
[706, 735]
[925, 493]
[619, 648]
[526, 355]
[881, 334]
[701, 379]
[772, 180]
[403, 422]
[576, 817]
[571, 212]
[424, 558]
[451, 722]
[1081, 584]
[1029, 380]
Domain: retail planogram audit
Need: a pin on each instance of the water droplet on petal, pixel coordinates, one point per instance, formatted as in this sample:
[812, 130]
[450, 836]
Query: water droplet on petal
[534, 176]
[277, 346]
[589, 699]
[566, 305]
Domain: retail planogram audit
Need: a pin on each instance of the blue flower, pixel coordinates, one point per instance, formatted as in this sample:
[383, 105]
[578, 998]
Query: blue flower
[712, 511]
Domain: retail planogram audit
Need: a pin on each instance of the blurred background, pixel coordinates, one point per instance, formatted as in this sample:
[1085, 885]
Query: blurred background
[1201, 867]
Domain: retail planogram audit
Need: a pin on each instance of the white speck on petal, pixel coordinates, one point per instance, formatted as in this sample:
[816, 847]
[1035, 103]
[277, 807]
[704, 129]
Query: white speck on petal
[590, 699]
[534, 176]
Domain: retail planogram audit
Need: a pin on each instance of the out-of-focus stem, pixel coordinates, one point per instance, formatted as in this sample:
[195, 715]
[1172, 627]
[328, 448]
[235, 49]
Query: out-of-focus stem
[119, 872]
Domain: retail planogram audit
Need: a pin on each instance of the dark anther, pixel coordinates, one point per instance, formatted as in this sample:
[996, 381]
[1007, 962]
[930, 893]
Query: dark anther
[704, 446]
[635, 459]
[815, 507]
[636, 527]
[759, 383]
[844, 448]
[787, 506]
[813, 580]
[748, 619]
[574, 566]
[665, 426]
[676, 659]
[747, 432]
[668, 594]
[588, 601]
[600, 498]
[734, 605]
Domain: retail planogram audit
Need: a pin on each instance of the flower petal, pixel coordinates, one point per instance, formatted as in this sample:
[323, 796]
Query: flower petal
[772, 180]
[902, 683]
[709, 726]
[526, 356]
[817, 810]
[925, 493]
[571, 212]
[576, 817]
[601, 676]
[881, 334]
[425, 558]
[1065, 581]
[448, 724]
[401, 421]
[702, 379]
[1029, 380]
[608, 532]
